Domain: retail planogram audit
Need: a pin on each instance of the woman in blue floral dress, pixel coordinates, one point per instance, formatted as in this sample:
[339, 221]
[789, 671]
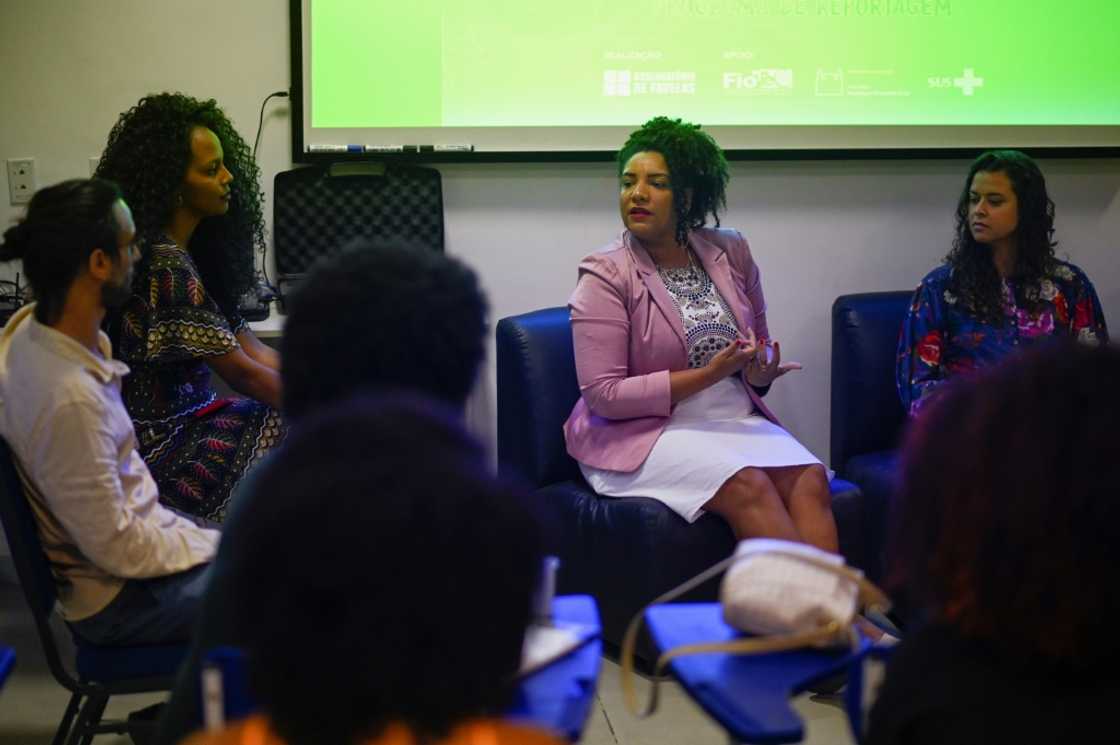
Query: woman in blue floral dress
[193, 189]
[1001, 286]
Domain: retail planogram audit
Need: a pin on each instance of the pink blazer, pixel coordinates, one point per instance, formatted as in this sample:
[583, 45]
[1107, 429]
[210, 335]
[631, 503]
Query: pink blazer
[628, 336]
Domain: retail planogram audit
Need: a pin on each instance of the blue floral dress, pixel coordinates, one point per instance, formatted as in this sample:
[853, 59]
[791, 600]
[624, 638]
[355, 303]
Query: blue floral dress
[196, 445]
[941, 339]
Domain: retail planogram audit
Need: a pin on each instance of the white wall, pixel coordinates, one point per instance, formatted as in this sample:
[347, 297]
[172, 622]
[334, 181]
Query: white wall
[818, 229]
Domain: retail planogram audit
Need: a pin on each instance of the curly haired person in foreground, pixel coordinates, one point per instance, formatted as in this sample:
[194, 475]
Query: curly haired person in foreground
[374, 316]
[1006, 543]
[401, 617]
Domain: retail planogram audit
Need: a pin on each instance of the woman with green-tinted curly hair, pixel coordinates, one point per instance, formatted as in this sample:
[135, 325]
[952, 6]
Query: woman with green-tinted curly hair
[193, 188]
[673, 355]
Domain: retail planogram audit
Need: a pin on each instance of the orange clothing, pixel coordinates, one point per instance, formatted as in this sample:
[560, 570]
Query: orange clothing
[255, 730]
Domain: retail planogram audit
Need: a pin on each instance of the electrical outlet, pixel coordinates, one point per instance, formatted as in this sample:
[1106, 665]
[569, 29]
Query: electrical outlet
[21, 179]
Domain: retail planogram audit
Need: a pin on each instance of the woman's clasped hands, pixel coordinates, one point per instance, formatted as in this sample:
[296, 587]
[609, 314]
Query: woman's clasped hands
[734, 357]
[762, 359]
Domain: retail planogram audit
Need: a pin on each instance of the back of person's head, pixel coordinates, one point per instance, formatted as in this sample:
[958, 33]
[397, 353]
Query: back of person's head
[1008, 518]
[63, 225]
[387, 315]
[390, 578]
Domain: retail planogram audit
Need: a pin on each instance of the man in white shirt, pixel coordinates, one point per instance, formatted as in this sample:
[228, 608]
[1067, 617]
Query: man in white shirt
[128, 570]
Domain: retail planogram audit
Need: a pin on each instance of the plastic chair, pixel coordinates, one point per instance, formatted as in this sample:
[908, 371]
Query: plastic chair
[624, 552]
[7, 662]
[748, 695]
[557, 697]
[865, 676]
[101, 672]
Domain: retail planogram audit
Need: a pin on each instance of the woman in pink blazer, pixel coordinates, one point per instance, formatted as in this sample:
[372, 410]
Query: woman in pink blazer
[673, 356]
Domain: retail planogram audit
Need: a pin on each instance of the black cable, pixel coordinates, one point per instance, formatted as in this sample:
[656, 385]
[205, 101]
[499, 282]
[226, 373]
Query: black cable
[256, 144]
[260, 120]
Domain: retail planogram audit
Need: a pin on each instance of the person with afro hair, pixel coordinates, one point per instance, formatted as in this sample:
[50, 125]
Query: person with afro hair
[193, 188]
[381, 316]
[399, 619]
[673, 355]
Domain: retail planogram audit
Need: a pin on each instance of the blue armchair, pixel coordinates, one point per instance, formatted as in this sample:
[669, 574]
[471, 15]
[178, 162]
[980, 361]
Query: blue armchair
[624, 552]
[867, 417]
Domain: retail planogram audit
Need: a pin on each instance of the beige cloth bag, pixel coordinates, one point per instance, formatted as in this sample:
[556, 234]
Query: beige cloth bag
[789, 595]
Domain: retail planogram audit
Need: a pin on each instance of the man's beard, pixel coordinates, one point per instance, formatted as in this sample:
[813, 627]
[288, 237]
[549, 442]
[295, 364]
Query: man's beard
[114, 295]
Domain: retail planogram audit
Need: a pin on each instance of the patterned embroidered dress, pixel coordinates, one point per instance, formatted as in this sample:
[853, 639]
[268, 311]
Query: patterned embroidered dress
[709, 325]
[196, 445]
[941, 339]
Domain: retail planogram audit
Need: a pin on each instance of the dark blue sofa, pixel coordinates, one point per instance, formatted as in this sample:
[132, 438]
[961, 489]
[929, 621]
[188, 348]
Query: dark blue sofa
[867, 417]
[624, 552]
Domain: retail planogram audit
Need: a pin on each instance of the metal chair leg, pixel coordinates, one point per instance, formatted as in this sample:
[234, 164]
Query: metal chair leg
[62, 734]
[88, 719]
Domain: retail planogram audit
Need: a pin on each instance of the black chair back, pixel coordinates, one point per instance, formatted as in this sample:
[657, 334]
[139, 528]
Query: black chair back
[22, 532]
[30, 561]
[537, 378]
[867, 415]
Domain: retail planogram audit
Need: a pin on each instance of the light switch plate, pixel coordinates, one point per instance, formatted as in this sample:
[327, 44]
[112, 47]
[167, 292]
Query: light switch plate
[21, 179]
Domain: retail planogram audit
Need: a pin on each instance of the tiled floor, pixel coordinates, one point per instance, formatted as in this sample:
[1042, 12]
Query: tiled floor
[32, 703]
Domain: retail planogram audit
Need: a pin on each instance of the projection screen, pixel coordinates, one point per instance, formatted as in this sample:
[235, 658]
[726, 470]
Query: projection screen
[499, 79]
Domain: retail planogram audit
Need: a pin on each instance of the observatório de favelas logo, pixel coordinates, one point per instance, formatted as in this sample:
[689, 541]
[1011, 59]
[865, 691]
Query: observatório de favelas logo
[643, 83]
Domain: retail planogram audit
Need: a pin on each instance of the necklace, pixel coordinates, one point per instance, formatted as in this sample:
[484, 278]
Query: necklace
[687, 282]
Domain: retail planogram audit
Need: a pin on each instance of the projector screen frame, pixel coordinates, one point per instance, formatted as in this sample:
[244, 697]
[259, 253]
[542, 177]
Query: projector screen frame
[1106, 139]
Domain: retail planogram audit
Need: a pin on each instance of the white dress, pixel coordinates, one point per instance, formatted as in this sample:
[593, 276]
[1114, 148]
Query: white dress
[710, 435]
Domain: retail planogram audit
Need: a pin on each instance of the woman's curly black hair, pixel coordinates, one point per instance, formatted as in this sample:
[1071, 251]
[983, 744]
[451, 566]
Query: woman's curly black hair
[697, 169]
[1007, 527]
[148, 154]
[974, 277]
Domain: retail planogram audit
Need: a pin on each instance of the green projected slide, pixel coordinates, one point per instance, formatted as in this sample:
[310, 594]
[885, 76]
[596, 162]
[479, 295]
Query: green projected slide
[577, 63]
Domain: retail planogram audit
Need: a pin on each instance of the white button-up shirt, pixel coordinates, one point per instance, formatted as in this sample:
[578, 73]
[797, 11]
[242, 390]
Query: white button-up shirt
[94, 500]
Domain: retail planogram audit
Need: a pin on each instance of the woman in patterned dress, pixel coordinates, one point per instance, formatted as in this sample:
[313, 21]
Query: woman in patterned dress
[673, 356]
[194, 191]
[1000, 288]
